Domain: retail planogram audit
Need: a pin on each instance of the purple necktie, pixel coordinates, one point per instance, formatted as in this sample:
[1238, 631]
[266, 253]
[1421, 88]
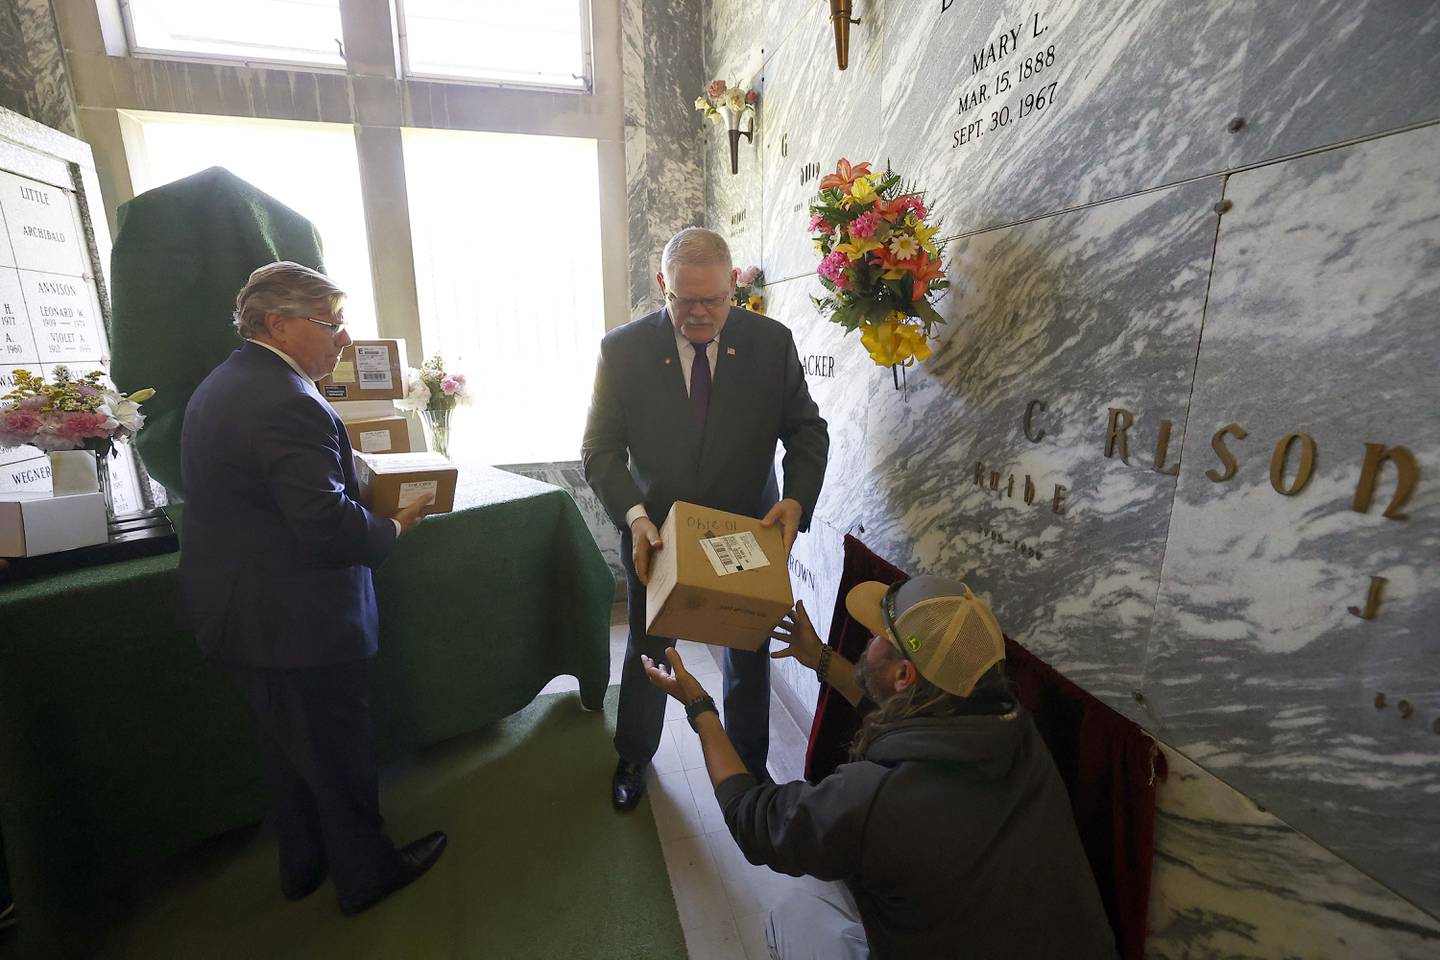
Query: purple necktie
[700, 385]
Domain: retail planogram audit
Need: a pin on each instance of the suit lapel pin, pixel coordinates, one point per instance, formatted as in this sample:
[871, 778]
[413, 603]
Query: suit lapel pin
[667, 361]
[730, 351]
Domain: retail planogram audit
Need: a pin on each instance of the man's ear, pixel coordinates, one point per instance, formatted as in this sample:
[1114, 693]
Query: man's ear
[660, 279]
[906, 676]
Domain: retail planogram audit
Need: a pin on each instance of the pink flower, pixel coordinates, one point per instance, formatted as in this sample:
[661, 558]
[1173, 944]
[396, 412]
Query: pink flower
[916, 206]
[751, 97]
[18, 428]
[817, 222]
[715, 90]
[83, 426]
[448, 386]
[864, 225]
[748, 275]
[833, 266]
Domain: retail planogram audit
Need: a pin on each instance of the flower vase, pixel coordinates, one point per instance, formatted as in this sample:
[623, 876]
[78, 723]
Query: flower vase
[103, 478]
[437, 426]
[73, 472]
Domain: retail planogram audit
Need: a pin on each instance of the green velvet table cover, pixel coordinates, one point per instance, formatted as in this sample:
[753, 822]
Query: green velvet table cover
[120, 745]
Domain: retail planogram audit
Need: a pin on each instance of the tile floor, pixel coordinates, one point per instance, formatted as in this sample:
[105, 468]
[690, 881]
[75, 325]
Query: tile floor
[723, 900]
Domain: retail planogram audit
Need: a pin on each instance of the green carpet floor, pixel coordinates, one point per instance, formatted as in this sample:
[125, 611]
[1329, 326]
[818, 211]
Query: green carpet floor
[538, 866]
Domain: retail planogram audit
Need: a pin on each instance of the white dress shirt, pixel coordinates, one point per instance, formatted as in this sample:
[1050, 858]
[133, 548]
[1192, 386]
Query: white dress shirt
[296, 367]
[685, 349]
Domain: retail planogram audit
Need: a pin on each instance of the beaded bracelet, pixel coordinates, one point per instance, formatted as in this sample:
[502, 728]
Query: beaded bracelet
[824, 666]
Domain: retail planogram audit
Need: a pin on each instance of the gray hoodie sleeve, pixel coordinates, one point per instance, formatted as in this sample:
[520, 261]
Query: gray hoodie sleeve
[800, 829]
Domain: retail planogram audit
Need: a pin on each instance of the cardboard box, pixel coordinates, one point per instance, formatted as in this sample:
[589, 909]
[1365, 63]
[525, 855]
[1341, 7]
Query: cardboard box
[730, 595]
[32, 524]
[389, 481]
[379, 434]
[367, 370]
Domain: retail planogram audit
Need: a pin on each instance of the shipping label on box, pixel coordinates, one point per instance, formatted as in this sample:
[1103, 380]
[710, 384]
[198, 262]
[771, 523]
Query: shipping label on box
[719, 578]
[392, 481]
[367, 370]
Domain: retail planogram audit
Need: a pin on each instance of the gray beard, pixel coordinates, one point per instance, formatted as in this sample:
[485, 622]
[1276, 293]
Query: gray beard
[865, 676]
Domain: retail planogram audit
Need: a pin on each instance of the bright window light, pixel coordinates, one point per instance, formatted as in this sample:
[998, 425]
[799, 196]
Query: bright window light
[277, 31]
[537, 42]
[506, 234]
[309, 167]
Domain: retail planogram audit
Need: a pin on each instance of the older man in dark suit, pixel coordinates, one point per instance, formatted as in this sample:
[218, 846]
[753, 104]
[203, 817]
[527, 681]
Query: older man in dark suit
[275, 580]
[689, 404]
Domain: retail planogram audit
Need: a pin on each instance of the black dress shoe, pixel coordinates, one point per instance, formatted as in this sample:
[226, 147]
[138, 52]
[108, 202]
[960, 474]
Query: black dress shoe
[627, 786]
[415, 859]
[306, 884]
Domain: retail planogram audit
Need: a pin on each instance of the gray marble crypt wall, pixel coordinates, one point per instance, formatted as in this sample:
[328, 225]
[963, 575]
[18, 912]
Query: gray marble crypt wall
[1094, 272]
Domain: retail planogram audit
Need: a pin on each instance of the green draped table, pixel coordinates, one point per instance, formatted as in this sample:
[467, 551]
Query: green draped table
[121, 746]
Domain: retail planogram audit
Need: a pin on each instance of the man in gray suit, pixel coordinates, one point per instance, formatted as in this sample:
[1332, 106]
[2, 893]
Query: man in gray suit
[689, 403]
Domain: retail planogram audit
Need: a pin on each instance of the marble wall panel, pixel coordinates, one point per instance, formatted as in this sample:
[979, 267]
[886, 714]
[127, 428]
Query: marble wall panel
[1318, 72]
[570, 477]
[1082, 311]
[814, 115]
[1136, 94]
[661, 56]
[1231, 880]
[1321, 319]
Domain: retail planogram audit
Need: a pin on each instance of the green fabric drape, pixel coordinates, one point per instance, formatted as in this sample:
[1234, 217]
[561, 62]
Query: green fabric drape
[182, 253]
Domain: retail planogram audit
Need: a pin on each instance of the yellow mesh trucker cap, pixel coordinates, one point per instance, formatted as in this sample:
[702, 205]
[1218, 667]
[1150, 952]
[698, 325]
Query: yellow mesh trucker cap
[937, 624]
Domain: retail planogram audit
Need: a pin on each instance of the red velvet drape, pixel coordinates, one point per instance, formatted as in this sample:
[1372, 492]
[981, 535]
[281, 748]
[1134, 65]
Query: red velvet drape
[1109, 765]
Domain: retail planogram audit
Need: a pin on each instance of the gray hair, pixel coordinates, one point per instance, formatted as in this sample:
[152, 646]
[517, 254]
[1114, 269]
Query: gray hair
[287, 288]
[695, 246]
[992, 694]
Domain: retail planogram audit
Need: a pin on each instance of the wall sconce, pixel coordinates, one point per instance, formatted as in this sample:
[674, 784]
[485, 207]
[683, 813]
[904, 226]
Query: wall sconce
[722, 103]
[840, 14]
[732, 124]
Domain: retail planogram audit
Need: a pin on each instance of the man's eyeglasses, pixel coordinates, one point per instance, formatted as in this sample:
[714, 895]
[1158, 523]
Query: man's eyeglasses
[335, 326]
[709, 303]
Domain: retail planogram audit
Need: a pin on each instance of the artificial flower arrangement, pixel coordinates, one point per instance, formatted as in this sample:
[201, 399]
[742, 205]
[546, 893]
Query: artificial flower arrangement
[69, 413]
[721, 101]
[747, 289]
[433, 391]
[879, 261]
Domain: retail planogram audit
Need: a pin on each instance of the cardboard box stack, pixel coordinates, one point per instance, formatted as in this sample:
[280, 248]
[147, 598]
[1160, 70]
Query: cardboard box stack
[367, 381]
[720, 578]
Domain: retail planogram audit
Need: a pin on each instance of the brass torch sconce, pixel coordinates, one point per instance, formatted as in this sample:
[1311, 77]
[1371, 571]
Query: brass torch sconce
[732, 124]
[840, 15]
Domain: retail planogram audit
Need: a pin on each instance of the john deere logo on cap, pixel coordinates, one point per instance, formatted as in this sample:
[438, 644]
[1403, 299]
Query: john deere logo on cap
[913, 642]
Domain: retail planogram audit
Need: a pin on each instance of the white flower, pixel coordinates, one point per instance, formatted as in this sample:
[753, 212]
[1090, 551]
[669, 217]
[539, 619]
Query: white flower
[417, 394]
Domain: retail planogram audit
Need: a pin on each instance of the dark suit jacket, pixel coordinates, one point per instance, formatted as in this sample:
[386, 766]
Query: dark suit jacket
[640, 412]
[275, 552]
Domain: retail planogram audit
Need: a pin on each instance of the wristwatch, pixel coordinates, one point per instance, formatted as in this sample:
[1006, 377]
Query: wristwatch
[699, 705]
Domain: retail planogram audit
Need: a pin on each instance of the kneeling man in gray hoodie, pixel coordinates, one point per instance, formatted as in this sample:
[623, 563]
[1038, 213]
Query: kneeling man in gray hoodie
[950, 827]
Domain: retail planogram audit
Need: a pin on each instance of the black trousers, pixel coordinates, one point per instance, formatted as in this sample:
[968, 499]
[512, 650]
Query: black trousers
[641, 720]
[317, 741]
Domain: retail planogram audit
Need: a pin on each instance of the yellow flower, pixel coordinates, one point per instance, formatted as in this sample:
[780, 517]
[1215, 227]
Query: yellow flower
[856, 249]
[756, 304]
[894, 341]
[923, 235]
[863, 191]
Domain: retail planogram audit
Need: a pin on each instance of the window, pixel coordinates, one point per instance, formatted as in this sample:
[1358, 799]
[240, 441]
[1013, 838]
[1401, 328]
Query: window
[536, 42]
[506, 234]
[309, 167]
[276, 31]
